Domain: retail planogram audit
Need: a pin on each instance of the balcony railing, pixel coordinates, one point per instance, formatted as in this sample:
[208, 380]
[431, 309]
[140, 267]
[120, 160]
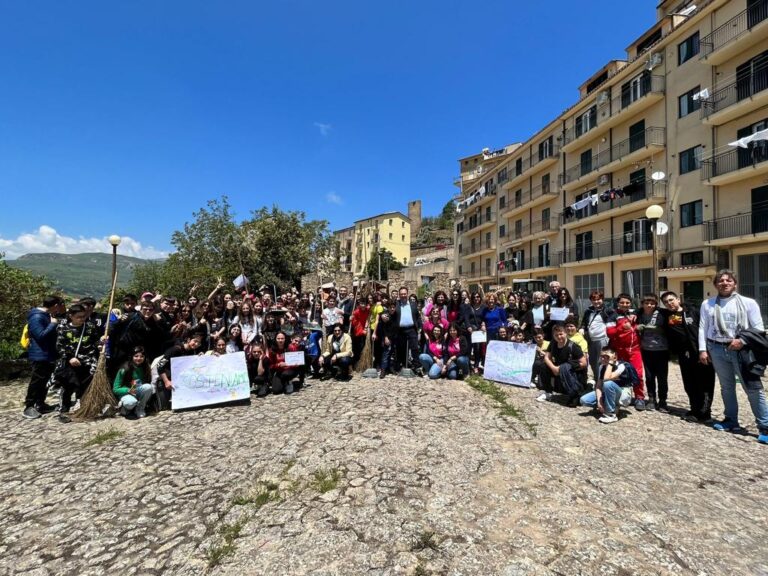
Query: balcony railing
[646, 190]
[645, 85]
[534, 228]
[650, 136]
[519, 264]
[620, 245]
[734, 28]
[476, 220]
[529, 195]
[729, 95]
[705, 257]
[733, 160]
[733, 226]
[545, 153]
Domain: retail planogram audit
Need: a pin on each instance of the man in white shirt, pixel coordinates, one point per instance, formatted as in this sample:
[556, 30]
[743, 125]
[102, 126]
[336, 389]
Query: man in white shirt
[722, 318]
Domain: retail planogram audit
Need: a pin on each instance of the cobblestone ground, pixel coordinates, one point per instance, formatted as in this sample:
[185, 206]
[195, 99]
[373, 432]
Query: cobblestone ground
[381, 477]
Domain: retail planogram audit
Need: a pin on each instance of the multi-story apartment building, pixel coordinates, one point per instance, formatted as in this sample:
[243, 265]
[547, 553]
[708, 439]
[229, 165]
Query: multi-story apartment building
[388, 231]
[654, 129]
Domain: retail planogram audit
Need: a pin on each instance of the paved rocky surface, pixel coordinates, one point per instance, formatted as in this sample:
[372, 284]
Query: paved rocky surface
[381, 477]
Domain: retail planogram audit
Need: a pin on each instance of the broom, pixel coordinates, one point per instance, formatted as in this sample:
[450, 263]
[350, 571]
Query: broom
[366, 356]
[98, 399]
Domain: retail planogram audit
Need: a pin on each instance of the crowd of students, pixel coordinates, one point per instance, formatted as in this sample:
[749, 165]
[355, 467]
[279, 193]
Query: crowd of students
[602, 358]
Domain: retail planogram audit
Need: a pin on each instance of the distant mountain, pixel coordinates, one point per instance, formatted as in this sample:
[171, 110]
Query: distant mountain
[79, 274]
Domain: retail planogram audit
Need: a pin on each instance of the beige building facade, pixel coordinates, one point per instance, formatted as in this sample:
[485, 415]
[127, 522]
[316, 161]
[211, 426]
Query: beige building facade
[359, 243]
[654, 129]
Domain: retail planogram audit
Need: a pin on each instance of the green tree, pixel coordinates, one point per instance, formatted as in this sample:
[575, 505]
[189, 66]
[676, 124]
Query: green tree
[388, 262]
[19, 292]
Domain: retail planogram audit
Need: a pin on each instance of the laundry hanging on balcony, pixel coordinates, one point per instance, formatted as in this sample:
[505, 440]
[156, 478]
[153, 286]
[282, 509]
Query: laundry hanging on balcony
[747, 140]
[701, 95]
[584, 202]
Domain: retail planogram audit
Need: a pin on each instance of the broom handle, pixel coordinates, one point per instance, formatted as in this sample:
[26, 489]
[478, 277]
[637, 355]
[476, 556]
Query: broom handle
[111, 302]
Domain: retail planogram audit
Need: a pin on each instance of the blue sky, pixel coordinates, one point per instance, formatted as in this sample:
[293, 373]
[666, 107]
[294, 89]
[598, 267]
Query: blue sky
[126, 117]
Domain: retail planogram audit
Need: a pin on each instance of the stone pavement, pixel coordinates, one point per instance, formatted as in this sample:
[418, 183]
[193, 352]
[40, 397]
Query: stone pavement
[382, 477]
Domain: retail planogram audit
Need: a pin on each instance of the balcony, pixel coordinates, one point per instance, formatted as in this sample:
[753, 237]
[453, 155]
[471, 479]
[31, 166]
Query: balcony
[740, 32]
[642, 94]
[739, 228]
[620, 246]
[736, 99]
[735, 165]
[633, 149]
[690, 264]
[537, 195]
[635, 197]
[479, 221]
[538, 229]
[512, 265]
[479, 249]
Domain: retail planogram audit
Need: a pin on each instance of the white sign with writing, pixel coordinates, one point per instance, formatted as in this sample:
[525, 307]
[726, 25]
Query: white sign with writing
[294, 358]
[559, 314]
[478, 337]
[206, 380]
[509, 362]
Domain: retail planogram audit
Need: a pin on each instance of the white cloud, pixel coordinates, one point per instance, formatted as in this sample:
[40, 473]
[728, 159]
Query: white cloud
[46, 239]
[324, 128]
[333, 198]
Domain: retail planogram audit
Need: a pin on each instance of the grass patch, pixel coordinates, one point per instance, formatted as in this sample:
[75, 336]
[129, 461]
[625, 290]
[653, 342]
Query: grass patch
[420, 570]
[492, 390]
[288, 465]
[264, 493]
[325, 480]
[104, 437]
[426, 540]
[226, 546]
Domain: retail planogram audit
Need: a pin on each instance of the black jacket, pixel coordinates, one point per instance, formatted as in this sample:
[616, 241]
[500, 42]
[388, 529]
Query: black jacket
[683, 338]
[753, 357]
[414, 313]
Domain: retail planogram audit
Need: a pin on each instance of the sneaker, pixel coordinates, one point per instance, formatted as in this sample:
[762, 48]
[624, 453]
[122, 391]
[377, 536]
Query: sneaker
[289, 388]
[639, 404]
[591, 382]
[31, 413]
[544, 397]
[382, 373]
[140, 413]
[262, 391]
[63, 418]
[762, 438]
[650, 405]
[76, 407]
[45, 408]
[726, 426]
[662, 407]
[608, 419]
[574, 402]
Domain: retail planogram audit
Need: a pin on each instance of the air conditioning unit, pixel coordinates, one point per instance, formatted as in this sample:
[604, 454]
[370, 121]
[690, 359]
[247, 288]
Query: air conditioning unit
[603, 97]
[655, 60]
[603, 180]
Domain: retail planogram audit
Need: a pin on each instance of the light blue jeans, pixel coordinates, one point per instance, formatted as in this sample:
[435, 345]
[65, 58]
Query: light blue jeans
[130, 403]
[611, 397]
[461, 365]
[726, 364]
[430, 367]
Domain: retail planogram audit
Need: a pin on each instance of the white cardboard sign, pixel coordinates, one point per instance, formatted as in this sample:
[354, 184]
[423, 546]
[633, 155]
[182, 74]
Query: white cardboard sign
[206, 380]
[509, 362]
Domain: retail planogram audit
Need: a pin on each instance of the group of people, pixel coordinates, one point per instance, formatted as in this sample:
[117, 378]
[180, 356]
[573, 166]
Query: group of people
[601, 357]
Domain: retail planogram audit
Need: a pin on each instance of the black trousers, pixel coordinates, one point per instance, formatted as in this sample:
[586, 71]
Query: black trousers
[698, 382]
[73, 381]
[38, 383]
[280, 379]
[656, 363]
[408, 343]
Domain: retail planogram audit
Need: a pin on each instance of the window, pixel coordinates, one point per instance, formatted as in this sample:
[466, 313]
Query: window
[588, 210]
[502, 175]
[390, 221]
[686, 103]
[688, 48]
[502, 231]
[390, 235]
[472, 268]
[635, 88]
[586, 121]
[402, 224]
[690, 159]
[545, 148]
[637, 236]
[487, 239]
[518, 260]
[583, 286]
[518, 198]
[518, 166]
[503, 201]
[545, 217]
[543, 255]
[461, 269]
[403, 237]
[518, 228]
[692, 258]
[586, 162]
[637, 282]
[597, 81]
[650, 41]
[545, 184]
[637, 136]
[691, 214]
[584, 246]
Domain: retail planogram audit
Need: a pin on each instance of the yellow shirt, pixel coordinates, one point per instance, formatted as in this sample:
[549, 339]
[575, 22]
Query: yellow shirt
[373, 318]
[581, 341]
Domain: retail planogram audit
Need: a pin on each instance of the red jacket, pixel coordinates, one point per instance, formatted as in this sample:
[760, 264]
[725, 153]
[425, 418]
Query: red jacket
[359, 320]
[623, 334]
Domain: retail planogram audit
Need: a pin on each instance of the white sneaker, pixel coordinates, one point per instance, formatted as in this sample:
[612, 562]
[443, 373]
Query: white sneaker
[608, 419]
[543, 397]
[590, 381]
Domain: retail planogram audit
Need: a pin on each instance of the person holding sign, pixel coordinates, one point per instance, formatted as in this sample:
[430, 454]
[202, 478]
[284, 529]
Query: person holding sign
[339, 355]
[165, 386]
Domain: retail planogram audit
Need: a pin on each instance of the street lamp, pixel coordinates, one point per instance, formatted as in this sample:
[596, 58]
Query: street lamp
[653, 213]
[115, 241]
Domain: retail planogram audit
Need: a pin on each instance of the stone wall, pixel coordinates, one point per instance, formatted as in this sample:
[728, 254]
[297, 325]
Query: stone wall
[310, 282]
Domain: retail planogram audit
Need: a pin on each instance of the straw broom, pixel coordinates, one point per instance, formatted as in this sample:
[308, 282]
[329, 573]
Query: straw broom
[366, 356]
[98, 400]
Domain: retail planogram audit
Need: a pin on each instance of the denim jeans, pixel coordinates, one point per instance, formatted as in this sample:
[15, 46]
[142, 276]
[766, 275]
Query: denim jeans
[137, 401]
[430, 367]
[611, 397]
[726, 364]
[386, 354]
[461, 365]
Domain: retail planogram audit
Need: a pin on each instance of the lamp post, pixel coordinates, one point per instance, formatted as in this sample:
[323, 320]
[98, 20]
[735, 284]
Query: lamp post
[115, 241]
[653, 213]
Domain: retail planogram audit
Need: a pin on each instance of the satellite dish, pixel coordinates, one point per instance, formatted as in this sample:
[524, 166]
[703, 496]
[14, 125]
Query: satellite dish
[656, 176]
[661, 228]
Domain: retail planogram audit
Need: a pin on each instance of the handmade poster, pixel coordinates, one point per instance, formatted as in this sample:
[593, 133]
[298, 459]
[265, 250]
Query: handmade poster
[294, 358]
[478, 337]
[559, 314]
[509, 362]
[206, 380]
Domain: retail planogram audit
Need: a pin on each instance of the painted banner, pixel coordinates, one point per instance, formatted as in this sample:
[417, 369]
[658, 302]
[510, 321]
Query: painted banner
[509, 362]
[205, 380]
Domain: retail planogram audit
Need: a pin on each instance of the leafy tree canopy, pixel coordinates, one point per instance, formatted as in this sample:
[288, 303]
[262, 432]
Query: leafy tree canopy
[388, 262]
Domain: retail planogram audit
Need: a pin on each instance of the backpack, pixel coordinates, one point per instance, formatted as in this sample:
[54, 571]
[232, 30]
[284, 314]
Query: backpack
[629, 377]
[24, 340]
